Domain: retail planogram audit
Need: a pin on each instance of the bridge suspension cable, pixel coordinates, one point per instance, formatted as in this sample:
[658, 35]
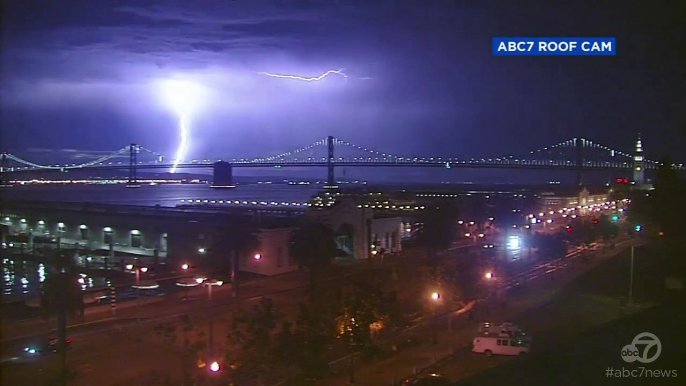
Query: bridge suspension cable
[119, 152]
[321, 142]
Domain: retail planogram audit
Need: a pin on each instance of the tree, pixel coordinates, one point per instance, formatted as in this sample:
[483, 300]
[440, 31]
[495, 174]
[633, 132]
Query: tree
[607, 228]
[304, 344]
[185, 339]
[231, 240]
[661, 212]
[313, 247]
[460, 282]
[250, 338]
[552, 246]
[438, 229]
[61, 296]
[364, 311]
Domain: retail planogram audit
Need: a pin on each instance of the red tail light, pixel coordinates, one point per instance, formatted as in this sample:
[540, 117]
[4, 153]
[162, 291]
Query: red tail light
[68, 340]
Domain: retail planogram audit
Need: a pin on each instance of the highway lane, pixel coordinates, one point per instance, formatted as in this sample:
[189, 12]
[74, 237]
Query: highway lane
[550, 325]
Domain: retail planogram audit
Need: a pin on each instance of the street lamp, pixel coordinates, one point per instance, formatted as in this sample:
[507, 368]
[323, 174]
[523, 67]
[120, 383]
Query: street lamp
[257, 256]
[489, 275]
[214, 367]
[138, 271]
[435, 296]
[184, 267]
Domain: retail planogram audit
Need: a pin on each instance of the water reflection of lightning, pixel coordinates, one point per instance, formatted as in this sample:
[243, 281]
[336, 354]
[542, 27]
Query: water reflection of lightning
[183, 145]
[314, 79]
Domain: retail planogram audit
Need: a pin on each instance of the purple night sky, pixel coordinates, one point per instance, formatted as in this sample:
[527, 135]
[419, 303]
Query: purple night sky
[88, 75]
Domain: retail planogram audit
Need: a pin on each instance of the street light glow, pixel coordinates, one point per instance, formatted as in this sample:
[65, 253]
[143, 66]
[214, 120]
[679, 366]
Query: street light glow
[513, 242]
[184, 267]
[214, 367]
[489, 275]
[435, 296]
[257, 256]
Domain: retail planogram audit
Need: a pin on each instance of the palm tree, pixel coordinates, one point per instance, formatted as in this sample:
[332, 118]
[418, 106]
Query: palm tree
[313, 247]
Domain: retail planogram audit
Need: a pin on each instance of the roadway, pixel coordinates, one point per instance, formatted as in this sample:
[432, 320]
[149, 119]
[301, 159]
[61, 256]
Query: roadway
[525, 300]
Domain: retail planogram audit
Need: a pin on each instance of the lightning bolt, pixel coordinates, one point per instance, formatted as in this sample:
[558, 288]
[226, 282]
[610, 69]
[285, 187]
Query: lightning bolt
[314, 79]
[183, 145]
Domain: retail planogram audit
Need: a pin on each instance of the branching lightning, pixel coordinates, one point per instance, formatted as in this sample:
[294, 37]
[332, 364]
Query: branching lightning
[313, 79]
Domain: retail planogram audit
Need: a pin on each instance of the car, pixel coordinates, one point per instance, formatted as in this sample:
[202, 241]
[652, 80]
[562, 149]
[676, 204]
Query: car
[427, 380]
[487, 246]
[45, 347]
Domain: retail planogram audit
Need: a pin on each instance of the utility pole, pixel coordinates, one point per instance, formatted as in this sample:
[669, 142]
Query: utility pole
[113, 300]
[631, 277]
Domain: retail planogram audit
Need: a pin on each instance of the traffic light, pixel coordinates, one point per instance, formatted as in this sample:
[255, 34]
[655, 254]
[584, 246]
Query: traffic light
[638, 228]
[615, 218]
[596, 221]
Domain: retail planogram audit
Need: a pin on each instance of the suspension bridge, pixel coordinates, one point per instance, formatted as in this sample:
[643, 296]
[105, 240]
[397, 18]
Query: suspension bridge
[576, 154]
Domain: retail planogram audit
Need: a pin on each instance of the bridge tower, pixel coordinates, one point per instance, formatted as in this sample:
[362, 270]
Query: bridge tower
[222, 175]
[330, 178]
[133, 163]
[639, 163]
[4, 168]
[579, 149]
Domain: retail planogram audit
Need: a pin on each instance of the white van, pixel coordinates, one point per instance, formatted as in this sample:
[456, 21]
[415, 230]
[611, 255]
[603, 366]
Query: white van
[504, 330]
[498, 345]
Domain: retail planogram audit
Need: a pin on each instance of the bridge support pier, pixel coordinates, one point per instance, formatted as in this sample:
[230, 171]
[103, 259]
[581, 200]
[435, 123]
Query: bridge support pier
[133, 163]
[330, 177]
[222, 175]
